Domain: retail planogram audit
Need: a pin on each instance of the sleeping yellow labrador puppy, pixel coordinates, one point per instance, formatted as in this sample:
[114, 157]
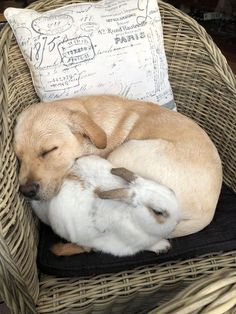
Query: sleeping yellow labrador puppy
[149, 140]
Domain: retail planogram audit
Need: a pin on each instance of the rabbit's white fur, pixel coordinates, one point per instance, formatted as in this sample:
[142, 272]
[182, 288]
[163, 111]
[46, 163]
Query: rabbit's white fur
[121, 227]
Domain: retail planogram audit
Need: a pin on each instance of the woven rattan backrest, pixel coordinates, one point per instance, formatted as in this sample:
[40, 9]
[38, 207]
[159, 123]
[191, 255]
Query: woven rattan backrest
[204, 89]
[203, 84]
[18, 228]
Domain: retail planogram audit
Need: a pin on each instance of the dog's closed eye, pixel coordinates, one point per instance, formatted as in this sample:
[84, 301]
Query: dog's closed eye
[44, 153]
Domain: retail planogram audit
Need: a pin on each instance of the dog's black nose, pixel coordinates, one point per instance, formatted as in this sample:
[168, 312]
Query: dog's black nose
[30, 190]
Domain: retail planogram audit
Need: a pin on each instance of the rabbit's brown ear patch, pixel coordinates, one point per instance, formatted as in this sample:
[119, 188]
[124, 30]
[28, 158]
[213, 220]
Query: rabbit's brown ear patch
[121, 194]
[124, 173]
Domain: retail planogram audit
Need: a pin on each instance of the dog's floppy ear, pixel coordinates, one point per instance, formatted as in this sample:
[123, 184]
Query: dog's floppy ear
[81, 122]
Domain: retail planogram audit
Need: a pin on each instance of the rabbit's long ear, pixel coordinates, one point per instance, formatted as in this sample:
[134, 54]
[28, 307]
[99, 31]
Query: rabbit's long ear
[124, 173]
[121, 194]
[80, 122]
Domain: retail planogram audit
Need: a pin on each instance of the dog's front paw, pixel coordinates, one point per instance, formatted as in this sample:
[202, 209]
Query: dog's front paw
[68, 249]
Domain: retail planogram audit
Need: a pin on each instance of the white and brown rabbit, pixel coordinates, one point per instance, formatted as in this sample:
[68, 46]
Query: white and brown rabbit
[111, 210]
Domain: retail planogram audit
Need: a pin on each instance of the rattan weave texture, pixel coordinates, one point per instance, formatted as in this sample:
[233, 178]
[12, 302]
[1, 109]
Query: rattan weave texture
[214, 295]
[133, 291]
[205, 89]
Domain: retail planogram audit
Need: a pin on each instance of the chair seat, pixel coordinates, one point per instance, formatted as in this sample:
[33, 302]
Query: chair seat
[127, 291]
[83, 293]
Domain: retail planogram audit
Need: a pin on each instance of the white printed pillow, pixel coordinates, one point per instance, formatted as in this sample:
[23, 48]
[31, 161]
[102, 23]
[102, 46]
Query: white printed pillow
[106, 47]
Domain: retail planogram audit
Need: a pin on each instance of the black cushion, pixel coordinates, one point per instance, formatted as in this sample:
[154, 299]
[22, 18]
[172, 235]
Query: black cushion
[220, 235]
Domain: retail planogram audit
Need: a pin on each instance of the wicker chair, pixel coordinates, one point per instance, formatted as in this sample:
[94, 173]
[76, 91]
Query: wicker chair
[205, 90]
